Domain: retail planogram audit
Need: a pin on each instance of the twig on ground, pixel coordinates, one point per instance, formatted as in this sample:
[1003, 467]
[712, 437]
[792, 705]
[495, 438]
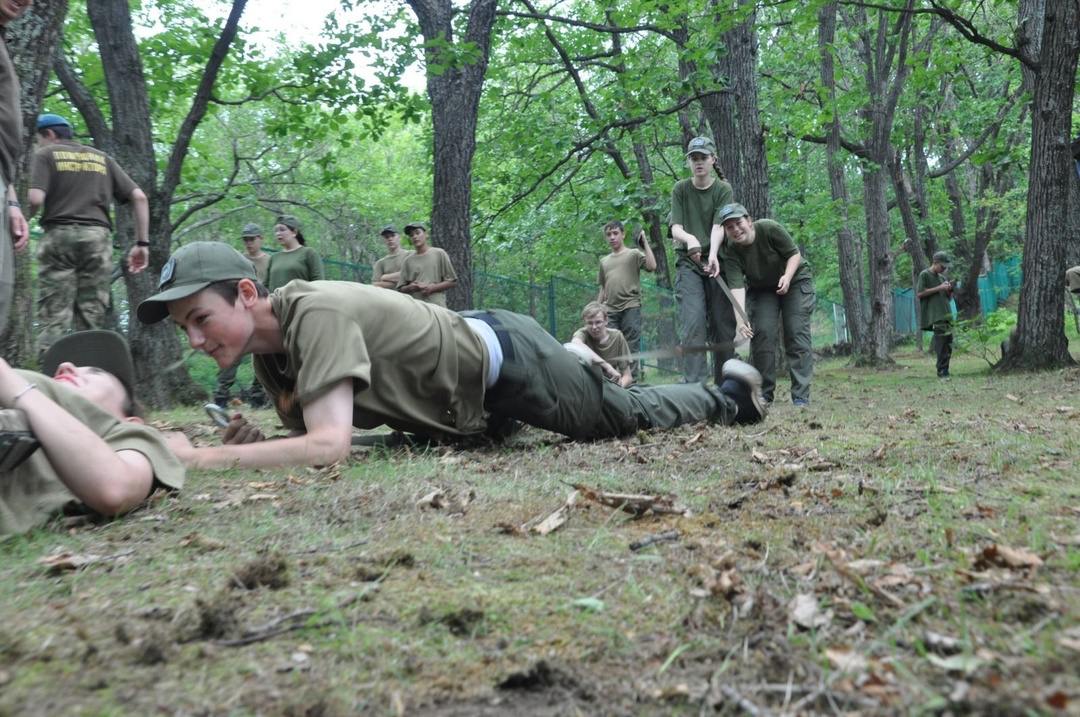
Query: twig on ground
[668, 536]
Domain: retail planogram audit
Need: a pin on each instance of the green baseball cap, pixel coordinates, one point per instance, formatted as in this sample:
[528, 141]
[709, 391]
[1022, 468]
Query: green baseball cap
[700, 145]
[190, 270]
[732, 211]
[251, 229]
[106, 350]
[942, 258]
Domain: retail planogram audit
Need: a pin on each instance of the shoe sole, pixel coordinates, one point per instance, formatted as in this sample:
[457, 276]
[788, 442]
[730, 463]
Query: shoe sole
[747, 374]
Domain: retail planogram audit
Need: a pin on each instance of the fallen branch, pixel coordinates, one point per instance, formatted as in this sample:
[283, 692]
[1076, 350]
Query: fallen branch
[668, 536]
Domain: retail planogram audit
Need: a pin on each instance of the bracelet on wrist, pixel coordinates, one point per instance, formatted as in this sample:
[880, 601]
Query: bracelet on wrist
[14, 203]
[142, 243]
[25, 390]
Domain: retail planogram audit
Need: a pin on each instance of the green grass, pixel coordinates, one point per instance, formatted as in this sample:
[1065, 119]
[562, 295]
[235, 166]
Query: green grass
[918, 474]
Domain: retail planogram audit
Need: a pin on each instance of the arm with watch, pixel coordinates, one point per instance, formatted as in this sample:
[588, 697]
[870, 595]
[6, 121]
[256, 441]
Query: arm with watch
[138, 257]
[20, 231]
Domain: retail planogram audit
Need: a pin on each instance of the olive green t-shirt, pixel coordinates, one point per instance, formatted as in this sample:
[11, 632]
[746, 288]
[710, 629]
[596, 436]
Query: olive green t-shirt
[33, 492]
[933, 308]
[696, 209]
[415, 367]
[433, 266]
[620, 277]
[389, 264]
[608, 350]
[78, 182]
[760, 265]
[10, 117]
[301, 263]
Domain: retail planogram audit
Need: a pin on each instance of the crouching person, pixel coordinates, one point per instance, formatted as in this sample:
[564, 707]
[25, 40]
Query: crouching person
[601, 346]
[71, 436]
[337, 355]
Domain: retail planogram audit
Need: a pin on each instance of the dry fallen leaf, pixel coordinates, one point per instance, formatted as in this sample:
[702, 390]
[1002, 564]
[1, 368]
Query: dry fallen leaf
[803, 610]
[844, 659]
[1014, 399]
[1006, 557]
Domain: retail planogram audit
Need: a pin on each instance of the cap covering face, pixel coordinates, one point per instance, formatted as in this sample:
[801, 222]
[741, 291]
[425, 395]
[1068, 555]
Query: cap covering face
[190, 270]
[732, 211]
[700, 145]
[106, 350]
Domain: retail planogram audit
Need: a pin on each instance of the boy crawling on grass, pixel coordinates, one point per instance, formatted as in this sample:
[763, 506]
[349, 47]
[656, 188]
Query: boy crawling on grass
[75, 440]
[337, 355]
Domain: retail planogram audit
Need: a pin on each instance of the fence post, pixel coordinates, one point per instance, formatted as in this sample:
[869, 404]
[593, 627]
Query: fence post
[552, 323]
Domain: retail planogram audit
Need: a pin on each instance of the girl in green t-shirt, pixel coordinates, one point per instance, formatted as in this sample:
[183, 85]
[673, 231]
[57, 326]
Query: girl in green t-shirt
[296, 260]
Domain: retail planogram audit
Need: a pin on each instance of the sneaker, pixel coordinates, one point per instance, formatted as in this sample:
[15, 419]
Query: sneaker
[742, 382]
[800, 402]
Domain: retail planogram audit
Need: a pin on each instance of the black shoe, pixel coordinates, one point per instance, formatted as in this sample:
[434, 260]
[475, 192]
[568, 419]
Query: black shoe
[742, 382]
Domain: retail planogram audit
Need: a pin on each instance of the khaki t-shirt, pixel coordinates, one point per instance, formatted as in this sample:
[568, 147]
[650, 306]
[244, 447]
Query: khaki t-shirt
[614, 346]
[933, 308]
[261, 264]
[10, 117]
[760, 265]
[696, 210]
[78, 182]
[620, 277]
[33, 492]
[302, 263]
[415, 367]
[432, 267]
[389, 264]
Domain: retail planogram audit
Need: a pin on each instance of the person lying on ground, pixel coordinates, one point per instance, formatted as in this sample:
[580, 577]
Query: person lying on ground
[337, 355]
[95, 452]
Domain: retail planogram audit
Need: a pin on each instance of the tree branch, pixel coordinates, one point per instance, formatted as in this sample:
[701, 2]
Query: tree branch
[83, 100]
[989, 130]
[202, 99]
[971, 33]
[613, 29]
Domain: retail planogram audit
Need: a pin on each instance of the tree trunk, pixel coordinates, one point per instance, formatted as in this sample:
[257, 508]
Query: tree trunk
[32, 43]
[882, 316]
[454, 87]
[130, 140]
[750, 175]
[1039, 341]
[848, 248]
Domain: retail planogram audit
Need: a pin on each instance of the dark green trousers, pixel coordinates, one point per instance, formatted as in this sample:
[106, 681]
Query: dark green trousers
[705, 316]
[544, 385]
[768, 312]
[628, 321]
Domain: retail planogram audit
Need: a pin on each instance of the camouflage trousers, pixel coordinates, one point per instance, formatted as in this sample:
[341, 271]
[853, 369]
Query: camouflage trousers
[74, 271]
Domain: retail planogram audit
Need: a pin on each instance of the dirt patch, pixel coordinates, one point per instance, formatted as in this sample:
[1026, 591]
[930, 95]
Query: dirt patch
[268, 570]
[465, 622]
[540, 676]
[211, 619]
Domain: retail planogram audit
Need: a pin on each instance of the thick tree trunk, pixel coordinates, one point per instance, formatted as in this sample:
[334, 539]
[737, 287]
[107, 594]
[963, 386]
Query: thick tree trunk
[882, 316]
[32, 43]
[1039, 341]
[748, 166]
[454, 88]
[848, 247]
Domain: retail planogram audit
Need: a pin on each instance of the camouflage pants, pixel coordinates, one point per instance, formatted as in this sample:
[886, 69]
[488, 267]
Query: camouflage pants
[74, 271]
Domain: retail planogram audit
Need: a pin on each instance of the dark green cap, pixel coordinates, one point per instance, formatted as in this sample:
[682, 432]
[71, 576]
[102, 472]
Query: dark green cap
[700, 145]
[251, 229]
[106, 350]
[732, 211]
[190, 270]
[415, 225]
[942, 258]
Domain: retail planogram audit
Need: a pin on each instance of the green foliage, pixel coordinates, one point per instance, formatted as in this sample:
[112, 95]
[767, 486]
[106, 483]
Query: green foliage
[982, 336]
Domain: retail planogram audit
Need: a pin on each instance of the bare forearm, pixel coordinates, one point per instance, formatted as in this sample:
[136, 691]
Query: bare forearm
[304, 450]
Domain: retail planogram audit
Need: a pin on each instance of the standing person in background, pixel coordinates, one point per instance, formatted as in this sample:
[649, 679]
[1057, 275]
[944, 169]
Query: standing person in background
[934, 292]
[75, 185]
[705, 313]
[14, 233]
[296, 260]
[427, 273]
[620, 285]
[779, 293]
[253, 239]
[387, 270]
